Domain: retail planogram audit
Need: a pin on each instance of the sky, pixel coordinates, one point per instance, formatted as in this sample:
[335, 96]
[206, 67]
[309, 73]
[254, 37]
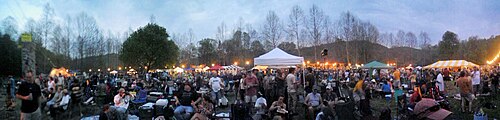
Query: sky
[464, 17]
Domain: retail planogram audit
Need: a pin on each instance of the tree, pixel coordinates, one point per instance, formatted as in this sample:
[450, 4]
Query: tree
[424, 40]
[315, 27]
[10, 65]
[448, 45]
[47, 24]
[296, 20]
[272, 30]
[149, 46]
[400, 38]
[288, 47]
[9, 25]
[257, 49]
[57, 40]
[207, 52]
[411, 40]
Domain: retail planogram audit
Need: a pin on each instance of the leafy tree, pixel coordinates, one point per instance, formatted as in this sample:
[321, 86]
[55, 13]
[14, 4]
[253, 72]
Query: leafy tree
[449, 45]
[149, 46]
[207, 53]
[257, 48]
[288, 47]
[11, 64]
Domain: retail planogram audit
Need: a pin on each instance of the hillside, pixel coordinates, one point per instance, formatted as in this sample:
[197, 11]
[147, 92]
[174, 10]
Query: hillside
[363, 52]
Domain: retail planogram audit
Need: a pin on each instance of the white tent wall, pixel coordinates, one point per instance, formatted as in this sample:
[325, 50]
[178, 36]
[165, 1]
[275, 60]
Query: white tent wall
[279, 59]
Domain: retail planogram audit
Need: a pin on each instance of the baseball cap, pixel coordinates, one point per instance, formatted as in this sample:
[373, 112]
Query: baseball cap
[329, 87]
[429, 108]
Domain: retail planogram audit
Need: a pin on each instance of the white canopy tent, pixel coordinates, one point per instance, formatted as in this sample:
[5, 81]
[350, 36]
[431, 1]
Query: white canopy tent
[278, 57]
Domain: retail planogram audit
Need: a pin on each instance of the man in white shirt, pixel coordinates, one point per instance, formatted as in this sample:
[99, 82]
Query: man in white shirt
[60, 80]
[51, 84]
[216, 84]
[440, 82]
[291, 88]
[476, 80]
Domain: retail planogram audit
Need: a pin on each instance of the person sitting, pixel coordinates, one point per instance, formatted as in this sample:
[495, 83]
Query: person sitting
[60, 106]
[313, 102]
[330, 98]
[260, 106]
[278, 109]
[326, 114]
[386, 89]
[185, 100]
[203, 109]
[56, 98]
[121, 101]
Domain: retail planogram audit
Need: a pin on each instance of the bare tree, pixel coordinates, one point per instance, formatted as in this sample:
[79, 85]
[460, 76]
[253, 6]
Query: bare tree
[221, 32]
[57, 40]
[191, 36]
[424, 40]
[9, 25]
[89, 39]
[346, 30]
[47, 24]
[400, 38]
[315, 27]
[329, 36]
[296, 22]
[411, 40]
[272, 30]
[67, 35]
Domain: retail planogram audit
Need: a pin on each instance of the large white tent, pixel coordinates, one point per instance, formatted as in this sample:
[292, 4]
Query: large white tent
[278, 57]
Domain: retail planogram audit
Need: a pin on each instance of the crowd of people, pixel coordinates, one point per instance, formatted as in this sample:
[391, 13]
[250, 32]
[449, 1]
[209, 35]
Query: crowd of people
[259, 94]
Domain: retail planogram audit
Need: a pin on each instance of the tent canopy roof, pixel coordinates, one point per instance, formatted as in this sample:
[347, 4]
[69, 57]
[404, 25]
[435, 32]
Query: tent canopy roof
[376, 65]
[278, 57]
[451, 64]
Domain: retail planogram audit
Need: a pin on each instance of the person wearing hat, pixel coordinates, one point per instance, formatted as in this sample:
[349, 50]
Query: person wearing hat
[61, 106]
[330, 97]
[429, 109]
[313, 101]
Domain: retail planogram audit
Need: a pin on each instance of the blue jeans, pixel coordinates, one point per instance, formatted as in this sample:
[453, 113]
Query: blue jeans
[183, 112]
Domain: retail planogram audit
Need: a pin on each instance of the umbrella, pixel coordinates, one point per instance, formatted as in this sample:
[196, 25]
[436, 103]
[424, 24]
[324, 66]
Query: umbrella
[451, 64]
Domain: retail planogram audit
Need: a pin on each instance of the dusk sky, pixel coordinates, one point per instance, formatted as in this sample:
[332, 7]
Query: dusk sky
[464, 17]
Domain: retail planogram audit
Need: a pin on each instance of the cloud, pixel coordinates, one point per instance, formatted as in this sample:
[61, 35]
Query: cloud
[466, 18]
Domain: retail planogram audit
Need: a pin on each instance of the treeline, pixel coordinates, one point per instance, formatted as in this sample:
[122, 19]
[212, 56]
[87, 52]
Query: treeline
[78, 42]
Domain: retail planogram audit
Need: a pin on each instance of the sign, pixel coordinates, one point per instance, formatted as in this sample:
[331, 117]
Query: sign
[25, 37]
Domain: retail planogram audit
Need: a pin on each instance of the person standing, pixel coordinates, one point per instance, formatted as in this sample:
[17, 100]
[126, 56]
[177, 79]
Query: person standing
[251, 85]
[60, 80]
[291, 88]
[310, 80]
[476, 80]
[465, 86]
[440, 82]
[31, 95]
[397, 78]
[216, 84]
[495, 78]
